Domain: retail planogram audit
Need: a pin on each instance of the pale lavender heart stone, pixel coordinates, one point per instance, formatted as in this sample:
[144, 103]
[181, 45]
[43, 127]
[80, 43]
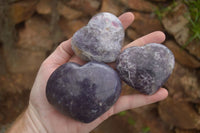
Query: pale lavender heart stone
[101, 40]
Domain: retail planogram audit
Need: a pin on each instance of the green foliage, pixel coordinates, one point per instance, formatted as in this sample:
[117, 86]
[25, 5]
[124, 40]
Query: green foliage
[122, 113]
[194, 10]
[146, 130]
[194, 19]
[161, 11]
[131, 121]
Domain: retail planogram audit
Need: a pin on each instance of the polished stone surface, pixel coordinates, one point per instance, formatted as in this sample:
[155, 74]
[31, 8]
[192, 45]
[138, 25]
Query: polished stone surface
[83, 92]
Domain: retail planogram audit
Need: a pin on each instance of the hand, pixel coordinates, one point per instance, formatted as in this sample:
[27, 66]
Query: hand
[46, 118]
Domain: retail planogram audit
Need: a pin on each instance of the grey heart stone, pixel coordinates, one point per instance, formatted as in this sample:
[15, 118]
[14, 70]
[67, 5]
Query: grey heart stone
[146, 68]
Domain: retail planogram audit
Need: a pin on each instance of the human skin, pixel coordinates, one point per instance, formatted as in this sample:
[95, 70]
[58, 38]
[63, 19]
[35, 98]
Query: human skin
[41, 117]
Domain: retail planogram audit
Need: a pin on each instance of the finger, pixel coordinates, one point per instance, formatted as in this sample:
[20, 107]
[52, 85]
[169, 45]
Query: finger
[126, 19]
[130, 102]
[154, 37]
[133, 101]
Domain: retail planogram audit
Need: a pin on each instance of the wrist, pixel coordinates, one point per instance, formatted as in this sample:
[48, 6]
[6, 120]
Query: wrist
[28, 122]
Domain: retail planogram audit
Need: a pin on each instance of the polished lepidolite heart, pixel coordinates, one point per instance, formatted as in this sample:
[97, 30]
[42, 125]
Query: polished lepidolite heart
[101, 40]
[146, 68]
[83, 92]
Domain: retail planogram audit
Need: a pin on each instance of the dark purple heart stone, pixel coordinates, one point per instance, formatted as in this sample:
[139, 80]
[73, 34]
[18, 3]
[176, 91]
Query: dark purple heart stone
[83, 92]
[146, 68]
[101, 40]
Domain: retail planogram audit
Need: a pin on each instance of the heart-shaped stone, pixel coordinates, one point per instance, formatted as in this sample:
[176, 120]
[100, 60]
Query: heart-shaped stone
[146, 68]
[83, 92]
[101, 40]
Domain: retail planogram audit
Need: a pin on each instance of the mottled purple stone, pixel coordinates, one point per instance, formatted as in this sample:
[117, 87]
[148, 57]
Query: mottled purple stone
[146, 68]
[101, 40]
[83, 92]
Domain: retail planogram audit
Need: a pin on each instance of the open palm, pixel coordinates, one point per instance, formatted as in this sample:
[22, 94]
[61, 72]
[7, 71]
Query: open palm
[51, 121]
